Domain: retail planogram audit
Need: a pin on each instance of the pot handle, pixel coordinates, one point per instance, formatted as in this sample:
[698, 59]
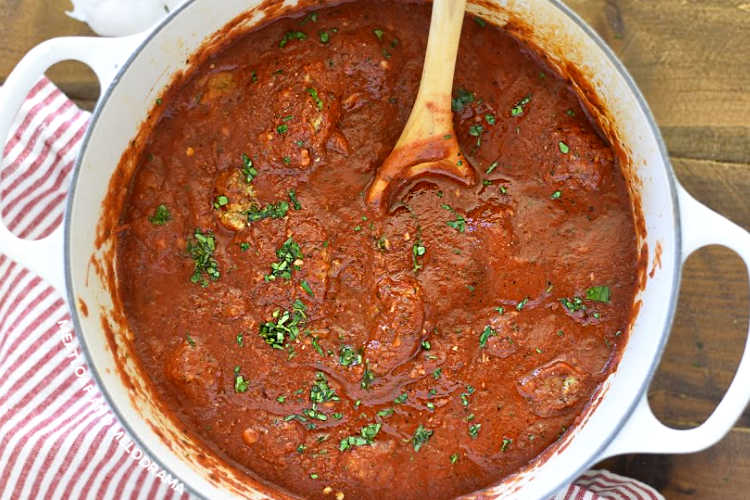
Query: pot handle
[643, 433]
[105, 56]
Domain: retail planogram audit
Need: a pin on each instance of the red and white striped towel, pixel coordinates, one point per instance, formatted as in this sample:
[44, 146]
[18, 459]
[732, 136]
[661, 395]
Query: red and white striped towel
[58, 438]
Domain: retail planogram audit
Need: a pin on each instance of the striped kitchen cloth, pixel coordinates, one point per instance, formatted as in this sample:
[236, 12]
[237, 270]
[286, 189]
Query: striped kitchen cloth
[58, 438]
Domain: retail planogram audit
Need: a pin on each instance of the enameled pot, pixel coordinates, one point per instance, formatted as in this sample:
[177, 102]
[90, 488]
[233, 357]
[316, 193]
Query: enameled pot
[78, 258]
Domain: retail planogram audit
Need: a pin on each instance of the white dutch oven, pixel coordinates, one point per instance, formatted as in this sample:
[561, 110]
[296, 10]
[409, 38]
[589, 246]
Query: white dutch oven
[134, 70]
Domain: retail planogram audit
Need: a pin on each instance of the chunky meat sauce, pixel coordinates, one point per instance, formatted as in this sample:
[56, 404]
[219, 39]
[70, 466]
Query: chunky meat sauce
[331, 350]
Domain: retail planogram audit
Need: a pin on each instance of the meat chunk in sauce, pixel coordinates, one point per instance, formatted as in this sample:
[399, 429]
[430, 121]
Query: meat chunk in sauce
[195, 372]
[553, 388]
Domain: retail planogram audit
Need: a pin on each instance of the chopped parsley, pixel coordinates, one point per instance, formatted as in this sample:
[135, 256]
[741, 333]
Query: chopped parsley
[291, 35]
[426, 345]
[506, 443]
[201, 248]
[598, 293]
[284, 326]
[189, 340]
[477, 131]
[417, 250]
[324, 36]
[421, 436]
[378, 33]
[240, 339]
[574, 304]
[366, 437]
[288, 254]
[248, 169]
[240, 383]
[454, 458]
[401, 399]
[492, 167]
[321, 392]
[306, 287]
[518, 108]
[293, 199]
[485, 335]
[474, 430]
[465, 395]
[348, 356]
[387, 412]
[316, 99]
[282, 129]
[244, 246]
[437, 373]
[161, 216]
[367, 377]
[459, 223]
[276, 210]
[521, 304]
[564, 149]
[221, 201]
[463, 97]
[490, 118]
[556, 195]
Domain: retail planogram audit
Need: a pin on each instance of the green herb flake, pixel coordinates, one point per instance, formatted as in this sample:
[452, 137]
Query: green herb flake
[293, 199]
[426, 345]
[316, 99]
[201, 248]
[189, 340]
[288, 254]
[282, 129]
[284, 326]
[348, 356]
[367, 377]
[401, 399]
[281, 398]
[506, 443]
[420, 437]
[454, 458]
[240, 339]
[500, 310]
[556, 195]
[522, 304]
[481, 22]
[437, 373]
[462, 98]
[378, 33]
[474, 430]
[306, 287]
[248, 169]
[240, 383]
[574, 304]
[564, 149]
[492, 167]
[161, 216]
[366, 437]
[221, 201]
[485, 335]
[518, 108]
[387, 412]
[314, 476]
[598, 293]
[417, 250]
[324, 36]
[291, 35]
[490, 118]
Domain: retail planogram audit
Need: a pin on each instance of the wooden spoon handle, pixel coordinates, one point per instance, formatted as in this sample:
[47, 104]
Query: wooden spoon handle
[431, 115]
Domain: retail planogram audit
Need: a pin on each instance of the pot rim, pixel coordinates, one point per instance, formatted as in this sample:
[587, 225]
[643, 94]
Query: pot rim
[652, 126]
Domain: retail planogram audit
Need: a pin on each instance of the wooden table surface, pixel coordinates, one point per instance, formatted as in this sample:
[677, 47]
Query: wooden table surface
[691, 59]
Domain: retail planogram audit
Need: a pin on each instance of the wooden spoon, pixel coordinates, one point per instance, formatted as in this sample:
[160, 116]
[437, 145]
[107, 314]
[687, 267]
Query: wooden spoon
[428, 144]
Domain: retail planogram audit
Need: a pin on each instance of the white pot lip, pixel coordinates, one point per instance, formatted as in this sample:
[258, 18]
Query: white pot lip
[653, 128]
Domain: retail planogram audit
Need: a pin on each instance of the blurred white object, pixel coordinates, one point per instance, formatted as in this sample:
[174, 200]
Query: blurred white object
[121, 17]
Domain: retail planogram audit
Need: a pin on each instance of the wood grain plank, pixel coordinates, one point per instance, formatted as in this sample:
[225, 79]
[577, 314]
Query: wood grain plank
[722, 471]
[691, 60]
